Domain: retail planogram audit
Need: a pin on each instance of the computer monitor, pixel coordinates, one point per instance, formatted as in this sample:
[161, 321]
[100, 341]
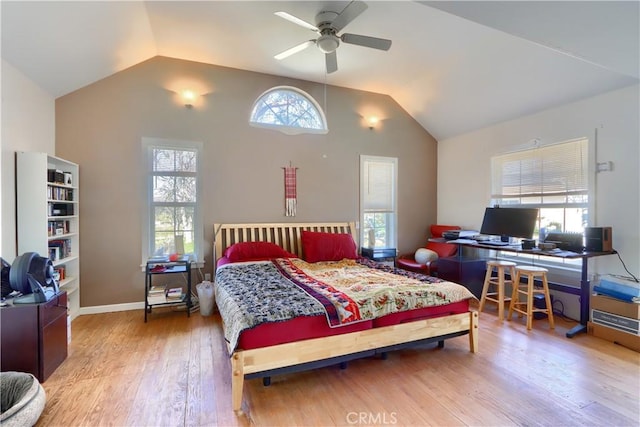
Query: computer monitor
[509, 222]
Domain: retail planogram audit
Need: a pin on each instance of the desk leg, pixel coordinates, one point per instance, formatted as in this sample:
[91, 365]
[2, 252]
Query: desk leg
[188, 299]
[585, 294]
[146, 292]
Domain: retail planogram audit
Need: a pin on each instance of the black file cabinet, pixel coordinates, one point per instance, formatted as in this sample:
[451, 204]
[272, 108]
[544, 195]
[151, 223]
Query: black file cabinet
[34, 336]
[468, 272]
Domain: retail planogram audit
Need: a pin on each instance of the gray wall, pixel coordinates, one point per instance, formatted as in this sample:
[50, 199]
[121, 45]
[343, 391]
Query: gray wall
[100, 127]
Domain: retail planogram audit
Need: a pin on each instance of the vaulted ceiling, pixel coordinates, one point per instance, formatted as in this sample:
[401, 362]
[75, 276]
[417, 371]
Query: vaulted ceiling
[455, 66]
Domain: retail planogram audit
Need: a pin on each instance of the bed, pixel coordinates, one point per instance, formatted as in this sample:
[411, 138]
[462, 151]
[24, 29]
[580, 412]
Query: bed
[309, 338]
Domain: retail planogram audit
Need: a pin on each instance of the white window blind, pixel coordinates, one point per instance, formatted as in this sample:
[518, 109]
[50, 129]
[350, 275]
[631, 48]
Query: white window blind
[551, 175]
[378, 204]
[378, 186]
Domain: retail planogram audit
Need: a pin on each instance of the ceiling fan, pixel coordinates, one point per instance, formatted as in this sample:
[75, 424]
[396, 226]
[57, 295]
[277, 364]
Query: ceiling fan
[328, 24]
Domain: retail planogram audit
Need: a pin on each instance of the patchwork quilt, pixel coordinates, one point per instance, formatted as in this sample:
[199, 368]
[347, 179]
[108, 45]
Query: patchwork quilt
[251, 293]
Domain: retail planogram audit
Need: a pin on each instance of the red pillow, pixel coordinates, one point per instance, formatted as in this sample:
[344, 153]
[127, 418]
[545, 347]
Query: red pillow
[251, 251]
[318, 246]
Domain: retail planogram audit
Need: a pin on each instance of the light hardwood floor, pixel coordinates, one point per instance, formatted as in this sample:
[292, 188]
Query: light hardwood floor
[174, 371]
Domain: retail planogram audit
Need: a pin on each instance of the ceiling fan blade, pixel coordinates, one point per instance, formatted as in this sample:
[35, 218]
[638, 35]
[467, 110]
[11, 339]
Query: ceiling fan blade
[348, 14]
[332, 62]
[295, 49]
[296, 20]
[366, 41]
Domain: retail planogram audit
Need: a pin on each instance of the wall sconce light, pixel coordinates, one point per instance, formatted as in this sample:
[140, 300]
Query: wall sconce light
[189, 97]
[372, 121]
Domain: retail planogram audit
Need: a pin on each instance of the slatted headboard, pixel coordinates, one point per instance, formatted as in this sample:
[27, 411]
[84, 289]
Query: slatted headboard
[286, 235]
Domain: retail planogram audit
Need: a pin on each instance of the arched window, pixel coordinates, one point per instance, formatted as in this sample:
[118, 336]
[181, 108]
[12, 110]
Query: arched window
[288, 110]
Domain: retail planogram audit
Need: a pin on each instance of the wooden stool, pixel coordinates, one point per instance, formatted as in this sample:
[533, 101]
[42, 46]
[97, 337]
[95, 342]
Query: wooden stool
[529, 289]
[499, 281]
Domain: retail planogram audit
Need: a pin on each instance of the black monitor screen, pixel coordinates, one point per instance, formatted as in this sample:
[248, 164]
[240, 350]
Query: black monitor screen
[512, 222]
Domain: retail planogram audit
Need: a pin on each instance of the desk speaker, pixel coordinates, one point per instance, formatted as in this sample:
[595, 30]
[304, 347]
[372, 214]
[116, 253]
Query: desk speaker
[598, 239]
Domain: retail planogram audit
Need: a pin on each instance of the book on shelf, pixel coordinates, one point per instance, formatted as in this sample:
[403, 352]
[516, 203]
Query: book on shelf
[156, 299]
[174, 294]
[57, 228]
[59, 272]
[157, 294]
[59, 194]
[59, 249]
[157, 290]
[55, 176]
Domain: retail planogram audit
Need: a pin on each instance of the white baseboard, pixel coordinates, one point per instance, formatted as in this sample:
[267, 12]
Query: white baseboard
[112, 308]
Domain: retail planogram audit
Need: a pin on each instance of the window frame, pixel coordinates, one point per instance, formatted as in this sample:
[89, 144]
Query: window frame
[287, 129]
[558, 266]
[391, 225]
[148, 213]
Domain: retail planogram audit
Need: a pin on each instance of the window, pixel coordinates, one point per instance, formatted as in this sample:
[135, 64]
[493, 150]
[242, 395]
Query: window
[173, 222]
[378, 201]
[553, 178]
[288, 110]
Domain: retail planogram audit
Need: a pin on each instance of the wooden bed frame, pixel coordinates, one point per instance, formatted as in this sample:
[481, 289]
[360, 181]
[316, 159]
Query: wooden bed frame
[288, 235]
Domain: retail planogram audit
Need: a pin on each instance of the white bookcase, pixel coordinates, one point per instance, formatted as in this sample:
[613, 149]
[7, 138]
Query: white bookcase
[48, 216]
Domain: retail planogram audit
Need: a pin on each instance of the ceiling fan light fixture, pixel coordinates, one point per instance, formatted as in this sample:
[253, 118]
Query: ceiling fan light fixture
[328, 43]
[328, 25]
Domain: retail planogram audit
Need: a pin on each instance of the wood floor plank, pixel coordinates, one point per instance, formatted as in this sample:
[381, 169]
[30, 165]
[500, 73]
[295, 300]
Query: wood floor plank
[175, 371]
